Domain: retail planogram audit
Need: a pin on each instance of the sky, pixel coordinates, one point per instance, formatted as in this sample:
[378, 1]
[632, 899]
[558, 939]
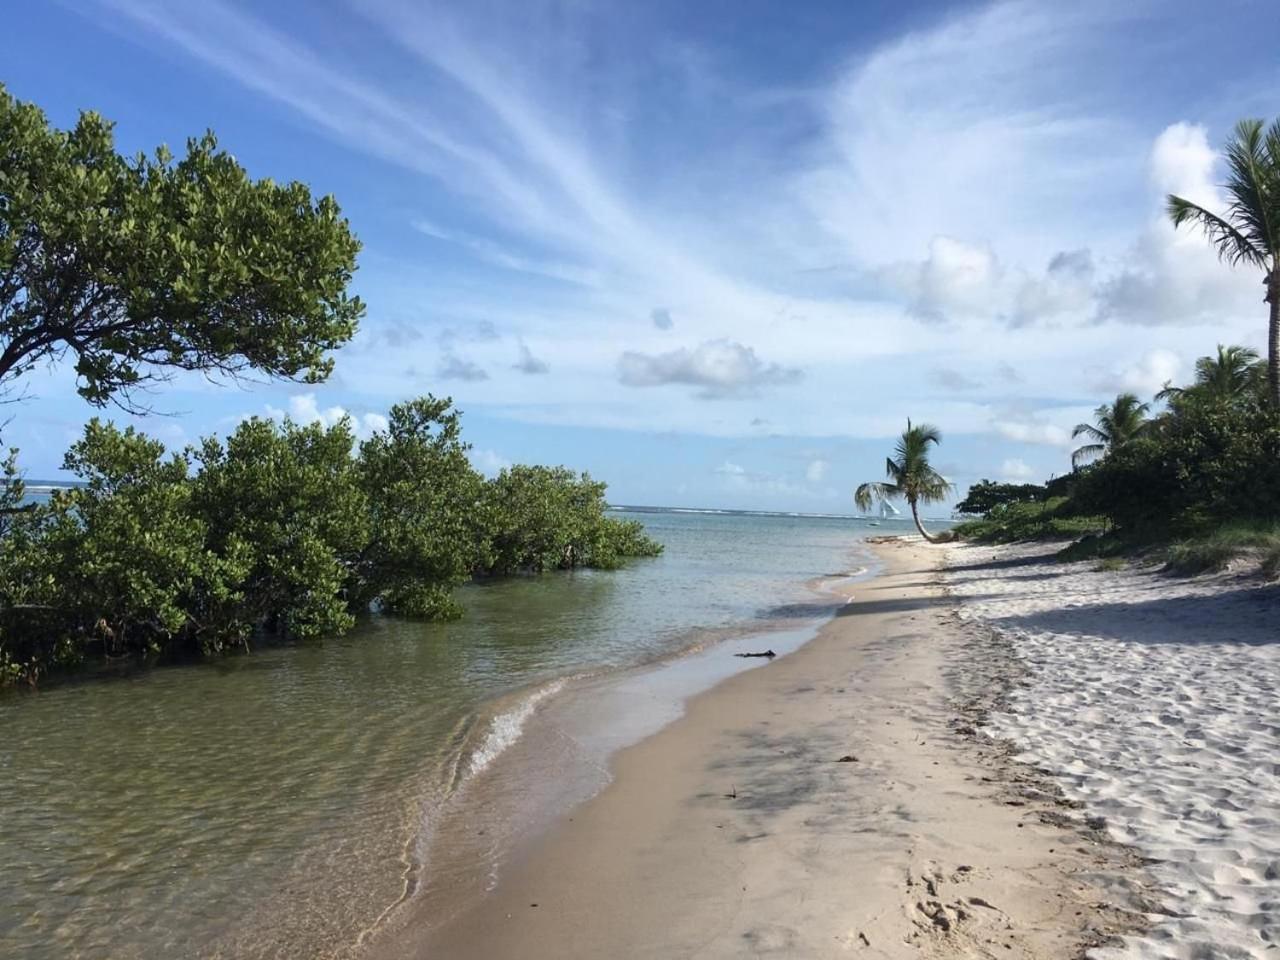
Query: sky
[714, 253]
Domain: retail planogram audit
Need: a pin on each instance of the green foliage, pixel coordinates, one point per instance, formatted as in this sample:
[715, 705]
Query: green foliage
[142, 265]
[1217, 548]
[1115, 424]
[279, 528]
[427, 513]
[986, 496]
[1205, 465]
[549, 518]
[1053, 519]
[286, 496]
[1247, 233]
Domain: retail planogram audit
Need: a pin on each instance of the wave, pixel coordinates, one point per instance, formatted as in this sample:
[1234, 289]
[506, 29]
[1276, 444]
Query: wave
[505, 729]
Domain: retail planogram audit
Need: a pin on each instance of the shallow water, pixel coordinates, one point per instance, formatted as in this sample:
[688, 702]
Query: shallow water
[277, 804]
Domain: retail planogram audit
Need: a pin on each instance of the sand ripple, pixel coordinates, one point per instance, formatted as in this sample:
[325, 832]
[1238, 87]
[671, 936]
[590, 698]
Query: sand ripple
[1155, 702]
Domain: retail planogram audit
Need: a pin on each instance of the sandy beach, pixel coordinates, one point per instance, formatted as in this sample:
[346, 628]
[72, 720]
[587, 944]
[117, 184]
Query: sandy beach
[1153, 703]
[844, 800]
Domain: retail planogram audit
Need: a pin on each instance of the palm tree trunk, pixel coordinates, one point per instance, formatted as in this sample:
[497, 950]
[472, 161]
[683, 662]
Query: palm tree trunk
[1273, 341]
[915, 515]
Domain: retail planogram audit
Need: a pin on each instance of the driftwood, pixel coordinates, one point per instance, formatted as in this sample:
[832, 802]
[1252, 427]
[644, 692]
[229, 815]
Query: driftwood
[767, 653]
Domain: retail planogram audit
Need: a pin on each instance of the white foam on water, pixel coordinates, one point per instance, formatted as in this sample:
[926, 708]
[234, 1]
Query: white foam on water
[505, 729]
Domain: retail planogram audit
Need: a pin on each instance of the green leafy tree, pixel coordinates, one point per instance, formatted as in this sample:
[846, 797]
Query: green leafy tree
[1210, 464]
[289, 496]
[116, 565]
[1114, 424]
[1232, 375]
[987, 496]
[549, 518]
[910, 475]
[428, 529]
[1249, 231]
[137, 267]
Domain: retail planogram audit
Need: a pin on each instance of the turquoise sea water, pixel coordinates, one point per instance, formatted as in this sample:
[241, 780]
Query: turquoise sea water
[279, 804]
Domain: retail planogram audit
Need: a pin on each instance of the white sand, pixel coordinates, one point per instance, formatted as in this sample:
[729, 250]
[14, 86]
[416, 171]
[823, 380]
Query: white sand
[1156, 703]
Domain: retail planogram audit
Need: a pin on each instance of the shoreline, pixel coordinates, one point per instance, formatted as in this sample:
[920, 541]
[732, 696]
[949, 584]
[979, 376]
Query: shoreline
[736, 829]
[573, 726]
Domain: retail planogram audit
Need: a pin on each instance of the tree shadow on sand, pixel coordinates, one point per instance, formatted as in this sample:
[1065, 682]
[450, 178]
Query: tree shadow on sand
[1246, 615]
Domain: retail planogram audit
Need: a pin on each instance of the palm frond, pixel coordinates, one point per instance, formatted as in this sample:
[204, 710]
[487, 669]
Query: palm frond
[869, 494]
[1251, 186]
[1090, 431]
[1233, 246]
[1087, 453]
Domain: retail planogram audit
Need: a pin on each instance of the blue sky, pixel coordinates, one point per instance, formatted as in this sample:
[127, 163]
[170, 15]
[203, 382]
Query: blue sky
[714, 253]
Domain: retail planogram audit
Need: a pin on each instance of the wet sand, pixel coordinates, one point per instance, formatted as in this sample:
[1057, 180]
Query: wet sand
[838, 801]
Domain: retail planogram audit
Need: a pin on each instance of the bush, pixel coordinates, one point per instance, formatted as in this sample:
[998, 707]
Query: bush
[549, 518]
[282, 528]
[1054, 519]
[1194, 470]
[986, 496]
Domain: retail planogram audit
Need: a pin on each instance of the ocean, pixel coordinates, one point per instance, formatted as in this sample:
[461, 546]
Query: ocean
[290, 801]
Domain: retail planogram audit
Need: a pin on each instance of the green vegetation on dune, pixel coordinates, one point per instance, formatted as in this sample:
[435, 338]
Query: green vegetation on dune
[1053, 518]
[1198, 484]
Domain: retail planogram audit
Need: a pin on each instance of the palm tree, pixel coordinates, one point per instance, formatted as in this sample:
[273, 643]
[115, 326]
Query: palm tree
[1249, 232]
[1114, 424]
[1233, 374]
[910, 475]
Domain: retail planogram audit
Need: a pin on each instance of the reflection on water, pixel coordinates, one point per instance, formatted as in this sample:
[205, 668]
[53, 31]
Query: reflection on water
[273, 804]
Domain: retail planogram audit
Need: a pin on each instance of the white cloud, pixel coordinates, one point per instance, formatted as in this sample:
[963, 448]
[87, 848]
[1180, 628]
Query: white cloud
[1173, 276]
[722, 368]
[1033, 429]
[303, 408]
[957, 280]
[488, 462]
[1145, 377]
[1016, 470]
[816, 472]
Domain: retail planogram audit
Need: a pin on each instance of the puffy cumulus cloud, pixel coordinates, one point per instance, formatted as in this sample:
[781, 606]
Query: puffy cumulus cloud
[816, 472]
[721, 368]
[1174, 276]
[956, 280]
[454, 367]
[304, 408]
[1182, 162]
[1145, 377]
[528, 363]
[661, 318]
[1066, 287]
[1017, 470]
[960, 281]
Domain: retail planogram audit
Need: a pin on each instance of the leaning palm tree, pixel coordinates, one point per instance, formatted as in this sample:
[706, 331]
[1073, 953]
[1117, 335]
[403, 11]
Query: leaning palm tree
[911, 477]
[1114, 424]
[1249, 232]
[1234, 374]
